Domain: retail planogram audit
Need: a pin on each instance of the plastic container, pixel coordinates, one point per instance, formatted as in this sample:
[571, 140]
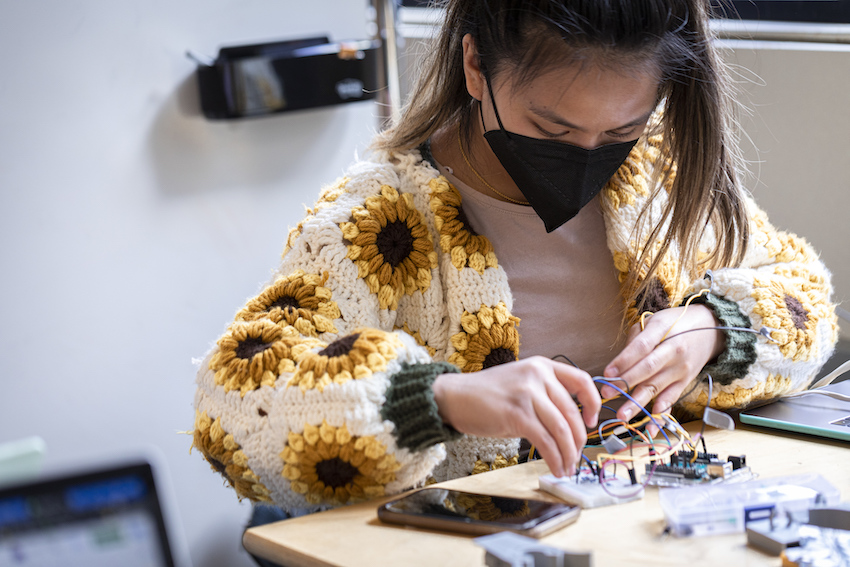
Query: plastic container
[726, 508]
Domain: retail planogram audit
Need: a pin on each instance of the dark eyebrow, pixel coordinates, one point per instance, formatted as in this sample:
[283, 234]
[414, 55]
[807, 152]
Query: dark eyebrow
[555, 119]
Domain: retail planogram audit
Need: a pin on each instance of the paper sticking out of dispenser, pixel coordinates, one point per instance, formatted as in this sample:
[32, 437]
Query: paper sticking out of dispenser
[267, 78]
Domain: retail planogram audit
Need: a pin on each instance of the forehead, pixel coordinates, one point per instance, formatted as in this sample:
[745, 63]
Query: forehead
[588, 94]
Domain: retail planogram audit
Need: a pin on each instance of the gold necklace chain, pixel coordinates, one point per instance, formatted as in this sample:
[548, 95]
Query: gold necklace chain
[478, 175]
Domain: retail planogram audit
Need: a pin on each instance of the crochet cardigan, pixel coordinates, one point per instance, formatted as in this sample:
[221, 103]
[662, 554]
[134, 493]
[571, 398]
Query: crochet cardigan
[319, 392]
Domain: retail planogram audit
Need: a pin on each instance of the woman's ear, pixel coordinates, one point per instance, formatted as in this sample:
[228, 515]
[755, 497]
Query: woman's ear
[475, 83]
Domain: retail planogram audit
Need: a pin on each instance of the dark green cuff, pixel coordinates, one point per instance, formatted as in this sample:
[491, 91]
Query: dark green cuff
[411, 407]
[740, 353]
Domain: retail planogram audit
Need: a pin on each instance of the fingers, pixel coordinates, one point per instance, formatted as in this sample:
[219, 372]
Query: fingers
[565, 423]
[560, 416]
[580, 384]
[557, 443]
[640, 350]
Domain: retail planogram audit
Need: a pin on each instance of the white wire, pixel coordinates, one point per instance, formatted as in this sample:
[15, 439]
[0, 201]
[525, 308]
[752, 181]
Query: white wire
[822, 392]
[817, 387]
[826, 380]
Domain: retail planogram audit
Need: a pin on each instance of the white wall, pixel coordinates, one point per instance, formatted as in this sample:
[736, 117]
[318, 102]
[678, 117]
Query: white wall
[132, 228]
[798, 142]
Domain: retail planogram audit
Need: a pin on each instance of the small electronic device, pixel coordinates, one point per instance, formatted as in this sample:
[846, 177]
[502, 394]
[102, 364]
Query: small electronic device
[477, 514]
[686, 468]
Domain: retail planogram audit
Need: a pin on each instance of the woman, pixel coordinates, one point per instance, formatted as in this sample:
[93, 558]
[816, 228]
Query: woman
[567, 163]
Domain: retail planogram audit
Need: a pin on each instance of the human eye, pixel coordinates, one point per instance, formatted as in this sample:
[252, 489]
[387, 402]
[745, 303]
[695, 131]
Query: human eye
[623, 134]
[543, 131]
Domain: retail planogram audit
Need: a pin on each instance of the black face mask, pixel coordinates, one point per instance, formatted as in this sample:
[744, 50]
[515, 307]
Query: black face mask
[557, 178]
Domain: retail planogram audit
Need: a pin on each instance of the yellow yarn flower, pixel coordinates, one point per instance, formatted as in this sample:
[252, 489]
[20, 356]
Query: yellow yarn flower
[328, 465]
[254, 353]
[457, 238]
[793, 305]
[226, 457]
[770, 388]
[298, 300]
[489, 337]
[391, 246]
[352, 357]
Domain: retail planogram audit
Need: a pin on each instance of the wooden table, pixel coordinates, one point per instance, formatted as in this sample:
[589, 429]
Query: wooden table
[627, 534]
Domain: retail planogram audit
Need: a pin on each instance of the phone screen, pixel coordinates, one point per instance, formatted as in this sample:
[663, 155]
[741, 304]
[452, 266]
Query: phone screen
[476, 513]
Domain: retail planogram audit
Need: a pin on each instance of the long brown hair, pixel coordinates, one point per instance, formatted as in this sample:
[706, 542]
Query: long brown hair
[528, 37]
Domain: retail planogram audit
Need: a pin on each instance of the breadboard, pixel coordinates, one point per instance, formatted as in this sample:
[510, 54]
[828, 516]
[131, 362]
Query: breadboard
[587, 492]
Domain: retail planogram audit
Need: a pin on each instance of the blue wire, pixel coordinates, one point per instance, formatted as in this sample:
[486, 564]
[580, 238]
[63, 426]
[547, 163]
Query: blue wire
[609, 408]
[604, 382]
[629, 388]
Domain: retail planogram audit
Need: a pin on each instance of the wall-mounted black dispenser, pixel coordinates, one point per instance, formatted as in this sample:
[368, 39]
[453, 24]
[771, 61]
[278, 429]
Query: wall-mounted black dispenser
[253, 80]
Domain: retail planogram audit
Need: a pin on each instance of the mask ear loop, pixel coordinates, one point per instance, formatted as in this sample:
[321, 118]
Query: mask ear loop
[495, 110]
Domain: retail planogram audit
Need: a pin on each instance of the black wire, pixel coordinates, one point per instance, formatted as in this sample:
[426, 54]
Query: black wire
[565, 358]
[719, 328]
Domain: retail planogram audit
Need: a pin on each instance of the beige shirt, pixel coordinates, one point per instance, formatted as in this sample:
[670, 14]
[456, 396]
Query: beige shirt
[564, 284]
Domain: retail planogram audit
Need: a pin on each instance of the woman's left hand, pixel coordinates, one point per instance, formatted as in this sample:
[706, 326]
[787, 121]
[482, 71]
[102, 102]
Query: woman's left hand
[658, 370]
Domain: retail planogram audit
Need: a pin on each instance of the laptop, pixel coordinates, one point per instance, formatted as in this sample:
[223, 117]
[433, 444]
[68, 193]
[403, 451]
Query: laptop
[812, 414]
[109, 516]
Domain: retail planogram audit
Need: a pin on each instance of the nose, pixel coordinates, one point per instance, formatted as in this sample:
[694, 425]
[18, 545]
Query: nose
[589, 141]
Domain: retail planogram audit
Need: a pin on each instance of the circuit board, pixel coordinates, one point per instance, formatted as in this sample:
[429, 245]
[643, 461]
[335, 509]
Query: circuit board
[685, 469]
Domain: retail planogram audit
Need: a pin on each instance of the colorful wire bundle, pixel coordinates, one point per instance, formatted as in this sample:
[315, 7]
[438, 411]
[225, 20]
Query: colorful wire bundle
[656, 454]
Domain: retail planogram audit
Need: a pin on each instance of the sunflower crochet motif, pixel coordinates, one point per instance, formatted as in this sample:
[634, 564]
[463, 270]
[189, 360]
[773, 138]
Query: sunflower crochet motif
[355, 356]
[298, 299]
[391, 246]
[254, 353]
[792, 312]
[226, 457]
[457, 238]
[329, 465]
[489, 337]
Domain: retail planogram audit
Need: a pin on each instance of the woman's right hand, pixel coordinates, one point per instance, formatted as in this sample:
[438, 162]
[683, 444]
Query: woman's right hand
[530, 398]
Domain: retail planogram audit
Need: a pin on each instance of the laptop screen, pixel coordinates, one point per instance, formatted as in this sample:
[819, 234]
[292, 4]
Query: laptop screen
[104, 518]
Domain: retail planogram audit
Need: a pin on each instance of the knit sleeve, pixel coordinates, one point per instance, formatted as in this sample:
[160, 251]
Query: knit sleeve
[411, 407]
[740, 349]
[783, 290]
[291, 405]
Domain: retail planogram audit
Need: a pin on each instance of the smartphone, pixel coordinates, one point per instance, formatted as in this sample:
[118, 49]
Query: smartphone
[477, 514]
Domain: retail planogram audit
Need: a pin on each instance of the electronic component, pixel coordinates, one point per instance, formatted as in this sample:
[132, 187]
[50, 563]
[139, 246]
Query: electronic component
[685, 469]
[587, 491]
